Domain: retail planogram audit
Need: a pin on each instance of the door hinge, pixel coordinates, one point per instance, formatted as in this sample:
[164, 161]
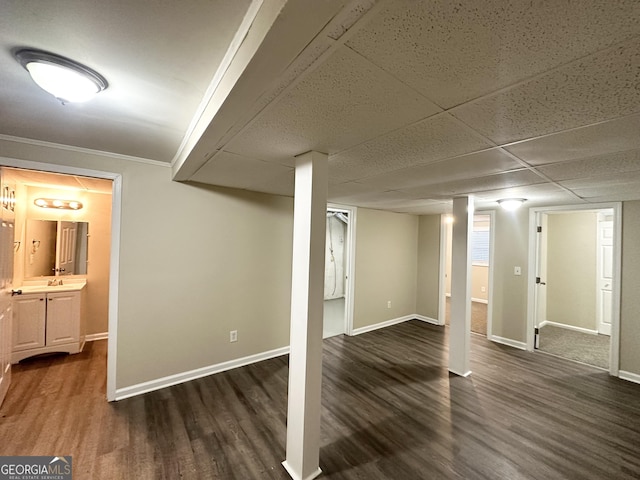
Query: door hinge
[539, 229]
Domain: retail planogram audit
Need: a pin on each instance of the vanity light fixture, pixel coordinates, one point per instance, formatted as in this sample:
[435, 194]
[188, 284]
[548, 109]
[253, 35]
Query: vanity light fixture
[65, 79]
[511, 204]
[57, 203]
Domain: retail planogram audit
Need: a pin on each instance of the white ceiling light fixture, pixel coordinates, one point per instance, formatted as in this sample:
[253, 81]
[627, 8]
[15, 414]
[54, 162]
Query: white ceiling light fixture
[65, 79]
[511, 204]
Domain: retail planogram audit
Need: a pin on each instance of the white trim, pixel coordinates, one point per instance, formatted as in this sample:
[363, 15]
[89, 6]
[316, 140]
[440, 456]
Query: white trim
[388, 323]
[430, 320]
[568, 327]
[442, 280]
[92, 337]
[114, 262]
[480, 300]
[614, 352]
[630, 377]
[349, 304]
[509, 342]
[229, 55]
[86, 151]
[295, 476]
[157, 384]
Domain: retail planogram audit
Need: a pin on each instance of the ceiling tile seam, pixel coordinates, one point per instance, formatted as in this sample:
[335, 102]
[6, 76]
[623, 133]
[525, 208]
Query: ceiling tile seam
[218, 76]
[397, 79]
[539, 75]
[540, 174]
[321, 37]
[568, 130]
[86, 151]
[389, 132]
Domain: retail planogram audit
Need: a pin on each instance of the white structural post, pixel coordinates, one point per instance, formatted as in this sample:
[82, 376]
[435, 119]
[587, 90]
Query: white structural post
[460, 325]
[307, 302]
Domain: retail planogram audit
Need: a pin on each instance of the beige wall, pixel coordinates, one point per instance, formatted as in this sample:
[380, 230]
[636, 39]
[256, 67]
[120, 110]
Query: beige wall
[510, 291]
[428, 266]
[386, 266]
[571, 269]
[195, 263]
[479, 280]
[630, 301]
[97, 212]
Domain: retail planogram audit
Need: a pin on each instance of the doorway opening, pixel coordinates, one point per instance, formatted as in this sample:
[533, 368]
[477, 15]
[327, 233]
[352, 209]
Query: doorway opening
[337, 317]
[575, 289]
[113, 191]
[481, 257]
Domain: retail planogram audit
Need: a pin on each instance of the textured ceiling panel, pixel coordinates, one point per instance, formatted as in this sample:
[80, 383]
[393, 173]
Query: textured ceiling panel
[471, 186]
[54, 180]
[457, 51]
[342, 103]
[595, 88]
[230, 170]
[425, 142]
[616, 163]
[458, 168]
[541, 194]
[612, 136]
[603, 183]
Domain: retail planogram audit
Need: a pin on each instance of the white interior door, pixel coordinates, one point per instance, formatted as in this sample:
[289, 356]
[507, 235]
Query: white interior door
[66, 251]
[7, 220]
[605, 273]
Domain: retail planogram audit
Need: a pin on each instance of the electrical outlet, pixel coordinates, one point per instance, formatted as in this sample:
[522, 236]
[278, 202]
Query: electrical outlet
[483, 289]
[517, 271]
[389, 304]
[233, 336]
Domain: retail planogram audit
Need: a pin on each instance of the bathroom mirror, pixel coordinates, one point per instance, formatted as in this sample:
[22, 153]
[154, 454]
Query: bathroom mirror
[55, 248]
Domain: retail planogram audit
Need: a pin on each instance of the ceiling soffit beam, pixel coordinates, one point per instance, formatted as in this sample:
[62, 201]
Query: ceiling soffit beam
[279, 33]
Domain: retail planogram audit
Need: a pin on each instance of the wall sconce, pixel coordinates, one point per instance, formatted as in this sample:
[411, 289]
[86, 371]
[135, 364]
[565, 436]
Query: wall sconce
[511, 204]
[57, 203]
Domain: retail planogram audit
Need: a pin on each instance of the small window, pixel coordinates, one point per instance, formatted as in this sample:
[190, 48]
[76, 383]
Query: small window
[480, 247]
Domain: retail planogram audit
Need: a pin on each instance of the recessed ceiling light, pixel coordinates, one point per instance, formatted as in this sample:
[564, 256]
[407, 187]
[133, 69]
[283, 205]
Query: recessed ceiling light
[511, 204]
[65, 79]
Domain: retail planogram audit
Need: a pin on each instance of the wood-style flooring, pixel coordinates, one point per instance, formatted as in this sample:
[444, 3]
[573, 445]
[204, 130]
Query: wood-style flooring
[390, 411]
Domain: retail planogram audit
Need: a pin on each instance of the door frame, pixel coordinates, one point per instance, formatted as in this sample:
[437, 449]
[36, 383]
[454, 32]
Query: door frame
[350, 251]
[114, 260]
[444, 239]
[614, 350]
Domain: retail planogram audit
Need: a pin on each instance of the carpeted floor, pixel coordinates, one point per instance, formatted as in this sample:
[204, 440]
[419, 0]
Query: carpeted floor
[478, 316]
[582, 347]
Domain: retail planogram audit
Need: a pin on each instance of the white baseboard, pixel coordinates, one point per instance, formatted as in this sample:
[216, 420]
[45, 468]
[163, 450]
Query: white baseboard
[480, 300]
[631, 377]
[508, 342]
[422, 318]
[568, 327]
[295, 476]
[92, 337]
[376, 326]
[140, 388]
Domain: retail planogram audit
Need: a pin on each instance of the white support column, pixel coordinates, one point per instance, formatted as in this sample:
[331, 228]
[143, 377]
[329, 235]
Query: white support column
[307, 301]
[460, 325]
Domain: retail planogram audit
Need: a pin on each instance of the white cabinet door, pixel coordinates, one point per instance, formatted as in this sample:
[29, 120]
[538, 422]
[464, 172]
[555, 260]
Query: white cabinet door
[5, 350]
[29, 321]
[63, 318]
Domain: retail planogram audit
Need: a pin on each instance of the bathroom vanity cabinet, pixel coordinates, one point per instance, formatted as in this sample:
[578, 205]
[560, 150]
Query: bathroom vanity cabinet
[49, 320]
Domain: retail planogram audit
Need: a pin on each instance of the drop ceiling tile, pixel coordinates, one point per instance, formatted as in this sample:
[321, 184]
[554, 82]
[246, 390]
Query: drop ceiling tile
[342, 103]
[611, 136]
[604, 184]
[474, 185]
[540, 194]
[424, 142]
[457, 51]
[230, 170]
[452, 169]
[614, 163]
[600, 87]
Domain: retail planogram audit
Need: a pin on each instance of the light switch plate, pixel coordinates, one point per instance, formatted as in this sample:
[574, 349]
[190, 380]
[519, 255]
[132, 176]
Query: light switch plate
[517, 270]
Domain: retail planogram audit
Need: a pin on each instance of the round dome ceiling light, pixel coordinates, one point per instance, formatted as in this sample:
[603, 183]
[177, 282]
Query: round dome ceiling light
[511, 204]
[65, 79]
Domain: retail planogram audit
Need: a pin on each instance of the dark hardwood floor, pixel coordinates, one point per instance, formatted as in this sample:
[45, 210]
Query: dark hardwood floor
[390, 411]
